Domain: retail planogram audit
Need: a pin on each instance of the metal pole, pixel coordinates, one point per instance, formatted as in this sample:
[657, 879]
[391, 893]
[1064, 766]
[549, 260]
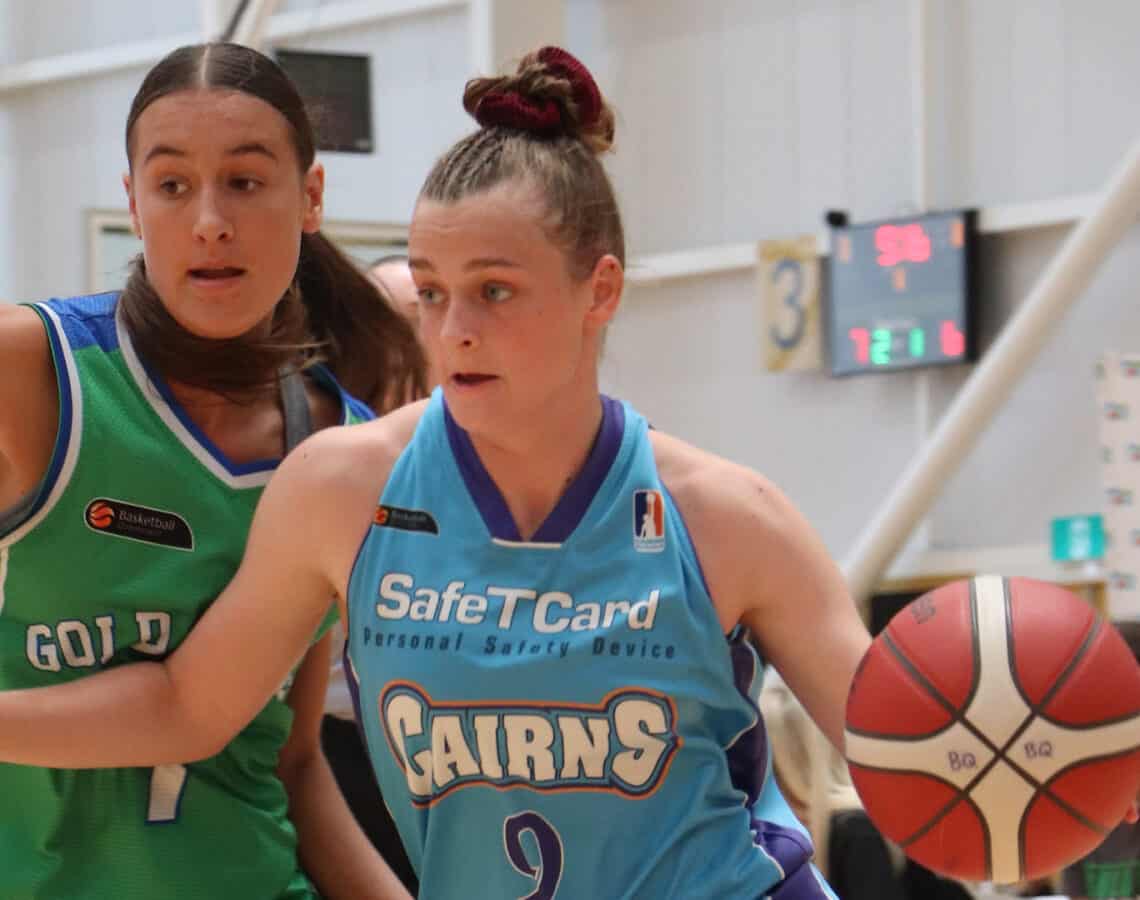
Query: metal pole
[251, 29]
[211, 18]
[1063, 280]
[920, 175]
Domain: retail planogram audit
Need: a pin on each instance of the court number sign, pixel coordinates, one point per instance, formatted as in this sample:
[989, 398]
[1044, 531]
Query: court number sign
[789, 304]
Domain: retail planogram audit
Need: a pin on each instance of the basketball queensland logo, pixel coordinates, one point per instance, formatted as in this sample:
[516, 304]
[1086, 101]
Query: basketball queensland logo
[405, 519]
[138, 523]
[648, 521]
[100, 515]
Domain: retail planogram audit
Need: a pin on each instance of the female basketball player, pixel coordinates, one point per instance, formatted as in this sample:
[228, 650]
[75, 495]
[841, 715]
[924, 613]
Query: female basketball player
[136, 433]
[549, 610]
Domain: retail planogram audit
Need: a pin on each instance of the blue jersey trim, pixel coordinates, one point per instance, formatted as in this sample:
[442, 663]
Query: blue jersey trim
[88, 320]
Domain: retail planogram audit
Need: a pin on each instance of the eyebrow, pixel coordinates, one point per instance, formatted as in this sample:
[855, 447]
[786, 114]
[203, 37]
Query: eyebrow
[239, 150]
[483, 262]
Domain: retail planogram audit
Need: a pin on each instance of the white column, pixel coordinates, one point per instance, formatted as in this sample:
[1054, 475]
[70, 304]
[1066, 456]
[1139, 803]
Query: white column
[251, 30]
[12, 269]
[921, 100]
[504, 30]
[10, 237]
[1058, 288]
[214, 14]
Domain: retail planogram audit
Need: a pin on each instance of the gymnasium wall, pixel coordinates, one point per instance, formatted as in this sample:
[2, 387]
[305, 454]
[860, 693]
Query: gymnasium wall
[738, 120]
[751, 119]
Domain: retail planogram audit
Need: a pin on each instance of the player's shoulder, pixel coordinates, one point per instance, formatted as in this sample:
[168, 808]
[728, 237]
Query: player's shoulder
[27, 388]
[742, 526]
[354, 456]
[332, 481]
[704, 485]
[22, 335]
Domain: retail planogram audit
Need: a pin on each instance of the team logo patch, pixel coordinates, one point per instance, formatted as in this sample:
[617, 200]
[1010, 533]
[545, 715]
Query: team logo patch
[138, 523]
[405, 519]
[648, 521]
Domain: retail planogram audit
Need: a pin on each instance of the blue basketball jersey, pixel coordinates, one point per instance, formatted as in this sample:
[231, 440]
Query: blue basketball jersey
[561, 717]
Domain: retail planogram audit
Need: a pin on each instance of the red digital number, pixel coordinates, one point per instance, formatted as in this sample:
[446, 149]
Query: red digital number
[901, 243]
[952, 340]
[861, 338]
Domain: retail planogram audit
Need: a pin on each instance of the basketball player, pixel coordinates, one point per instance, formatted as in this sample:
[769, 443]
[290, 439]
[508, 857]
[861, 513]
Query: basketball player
[556, 702]
[393, 276]
[137, 430]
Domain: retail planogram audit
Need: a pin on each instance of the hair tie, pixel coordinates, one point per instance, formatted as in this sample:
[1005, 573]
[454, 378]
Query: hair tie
[584, 89]
[512, 110]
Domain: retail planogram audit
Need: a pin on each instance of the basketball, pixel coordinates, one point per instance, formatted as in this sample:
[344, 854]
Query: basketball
[993, 729]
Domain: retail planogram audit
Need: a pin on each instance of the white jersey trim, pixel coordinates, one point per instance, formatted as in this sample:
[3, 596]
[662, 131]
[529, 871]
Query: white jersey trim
[526, 545]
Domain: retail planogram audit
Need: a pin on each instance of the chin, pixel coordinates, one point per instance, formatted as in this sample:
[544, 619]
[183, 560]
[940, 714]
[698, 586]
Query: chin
[218, 325]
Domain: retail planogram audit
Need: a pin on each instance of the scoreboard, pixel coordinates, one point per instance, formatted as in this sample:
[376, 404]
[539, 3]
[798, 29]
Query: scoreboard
[900, 293]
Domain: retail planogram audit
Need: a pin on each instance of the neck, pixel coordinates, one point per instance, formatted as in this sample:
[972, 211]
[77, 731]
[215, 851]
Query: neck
[212, 411]
[533, 467]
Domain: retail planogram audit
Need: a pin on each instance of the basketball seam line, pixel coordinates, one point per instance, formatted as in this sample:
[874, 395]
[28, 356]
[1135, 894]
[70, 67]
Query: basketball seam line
[962, 794]
[956, 716]
[1039, 788]
[1034, 712]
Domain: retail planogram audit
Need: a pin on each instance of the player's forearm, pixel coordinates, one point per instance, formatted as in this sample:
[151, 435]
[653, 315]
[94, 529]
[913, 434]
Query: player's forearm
[131, 715]
[334, 851]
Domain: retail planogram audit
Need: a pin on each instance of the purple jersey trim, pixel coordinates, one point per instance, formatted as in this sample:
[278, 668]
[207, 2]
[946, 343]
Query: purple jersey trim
[748, 756]
[572, 506]
[801, 884]
[353, 689]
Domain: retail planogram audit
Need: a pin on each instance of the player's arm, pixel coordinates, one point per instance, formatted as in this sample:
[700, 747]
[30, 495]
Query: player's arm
[192, 704]
[767, 569]
[29, 403]
[334, 850]
[798, 608]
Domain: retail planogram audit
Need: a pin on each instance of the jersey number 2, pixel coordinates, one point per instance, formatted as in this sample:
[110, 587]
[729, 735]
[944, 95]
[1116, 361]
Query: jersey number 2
[167, 783]
[548, 872]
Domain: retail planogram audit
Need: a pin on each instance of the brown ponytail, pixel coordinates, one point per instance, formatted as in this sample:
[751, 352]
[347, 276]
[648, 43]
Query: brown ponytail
[372, 348]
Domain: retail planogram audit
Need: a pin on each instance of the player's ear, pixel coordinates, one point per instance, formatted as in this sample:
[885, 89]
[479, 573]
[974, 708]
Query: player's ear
[606, 284]
[128, 186]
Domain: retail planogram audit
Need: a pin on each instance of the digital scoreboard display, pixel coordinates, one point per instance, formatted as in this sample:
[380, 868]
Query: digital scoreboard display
[899, 293]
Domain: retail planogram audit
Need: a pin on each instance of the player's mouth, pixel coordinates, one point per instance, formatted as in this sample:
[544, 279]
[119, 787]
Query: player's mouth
[216, 276]
[471, 379]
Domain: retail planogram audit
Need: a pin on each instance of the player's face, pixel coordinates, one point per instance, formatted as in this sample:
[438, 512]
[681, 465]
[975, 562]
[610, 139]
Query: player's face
[217, 194]
[510, 332]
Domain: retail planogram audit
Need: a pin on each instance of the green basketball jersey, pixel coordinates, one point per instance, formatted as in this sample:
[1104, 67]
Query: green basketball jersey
[138, 526]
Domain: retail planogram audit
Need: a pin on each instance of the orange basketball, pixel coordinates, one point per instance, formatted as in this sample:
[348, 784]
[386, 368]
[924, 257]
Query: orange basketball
[993, 729]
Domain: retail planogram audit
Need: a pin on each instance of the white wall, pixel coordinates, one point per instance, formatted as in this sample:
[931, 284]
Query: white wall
[738, 120]
[419, 66]
[752, 118]
[68, 140]
[50, 27]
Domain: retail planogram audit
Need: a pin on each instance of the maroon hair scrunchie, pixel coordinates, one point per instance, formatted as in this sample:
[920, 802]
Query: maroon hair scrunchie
[513, 110]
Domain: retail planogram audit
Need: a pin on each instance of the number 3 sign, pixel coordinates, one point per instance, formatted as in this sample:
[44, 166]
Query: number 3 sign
[789, 305]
